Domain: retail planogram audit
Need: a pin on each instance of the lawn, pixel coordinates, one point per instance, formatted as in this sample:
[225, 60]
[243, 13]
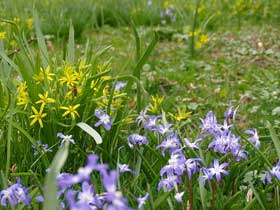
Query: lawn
[139, 104]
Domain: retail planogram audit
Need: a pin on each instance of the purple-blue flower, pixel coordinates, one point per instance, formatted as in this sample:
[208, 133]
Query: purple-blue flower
[44, 147]
[217, 170]
[142, 200]
[120, 85]
[124, 168]
[15, 194]
[163, 129]
[136, 139]
[83, 172]
[176, 165]
[169, 182]
[142, 117]
[65, 138]
[171, 143]
[192, 166]
[254, 137]
[112, 196]
[179, 197]
[104, 119]
[151, 123]
[274, 172]
[209, 124]
[193, 145]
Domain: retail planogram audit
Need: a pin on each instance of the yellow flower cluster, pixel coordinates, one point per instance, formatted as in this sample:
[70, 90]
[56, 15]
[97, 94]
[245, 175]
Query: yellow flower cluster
[29, 23]
[43, 74]
[167, 4]
[203, 39]
[155, 104]
[22, 95]
[181, 114]
[3, 35]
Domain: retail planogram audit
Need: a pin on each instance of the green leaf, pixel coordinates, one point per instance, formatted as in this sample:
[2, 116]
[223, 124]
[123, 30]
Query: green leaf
[93, 133]
[71, 46]
[257, 196]
[160, 200]
[275, 139]
[51, 202]
[143, 59]
[202, 193]
[41, 41]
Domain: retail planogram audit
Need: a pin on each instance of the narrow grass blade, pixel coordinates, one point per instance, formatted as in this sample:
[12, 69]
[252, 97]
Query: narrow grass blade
[161, 199]
[275, 139]
[9, 140]
[71, 46]
[137, 42]
[51, 202]
[41, 41]
[202, 193]
[93, 133]
[257, 196]
[143, 59]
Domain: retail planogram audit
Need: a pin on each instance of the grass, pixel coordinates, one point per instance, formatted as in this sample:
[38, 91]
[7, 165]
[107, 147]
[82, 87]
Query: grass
[181, 69]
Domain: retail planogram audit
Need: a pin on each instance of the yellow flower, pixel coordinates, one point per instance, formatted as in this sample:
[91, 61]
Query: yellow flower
[181, 114]
[16, 20]
[47, 73]
[39, 78]
[69, 77]
[203, 38]
[195, 33]
[167, 4]
[155, 103]
[71, 110]
[13, 43]
[44, 99]
[102, 67]
[3, 35]
[22, 95]
[198, 45]
[29, 23]
[38, 116]
[43, 74]
[82, 65]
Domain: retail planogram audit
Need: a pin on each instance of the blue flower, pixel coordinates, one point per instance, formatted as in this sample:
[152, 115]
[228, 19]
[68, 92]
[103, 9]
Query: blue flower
[104, 119]
[171, 143]
[163, 129]
[176, 165]
[217, 170]
[44, 147]
[124, 168]
[179, 197]
[193, 145]
[65, 139]
[169, 182]
[254, 137]
[151, 123]
[136, 139]
[142, 201]
[274, 172]
[120, 85]
[15, 194]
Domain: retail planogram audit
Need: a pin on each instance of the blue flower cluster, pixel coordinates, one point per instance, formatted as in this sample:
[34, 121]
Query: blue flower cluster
[222, 140]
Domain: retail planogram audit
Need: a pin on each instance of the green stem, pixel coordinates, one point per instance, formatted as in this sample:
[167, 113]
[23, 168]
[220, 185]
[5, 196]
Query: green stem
[139, 162]
[213, 196]
[193, 27]
[9, 140]
[190, 192]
